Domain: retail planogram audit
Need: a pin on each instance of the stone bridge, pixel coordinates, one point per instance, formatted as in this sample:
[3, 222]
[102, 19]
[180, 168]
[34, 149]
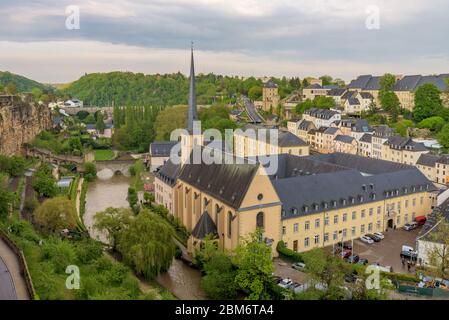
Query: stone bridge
[116, 166]
[47, 156]
[73, 111]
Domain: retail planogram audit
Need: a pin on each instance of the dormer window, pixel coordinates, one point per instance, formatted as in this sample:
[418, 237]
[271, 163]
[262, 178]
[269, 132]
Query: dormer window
[294, 211]
[364, 187]
[305, 208]
[316, 206]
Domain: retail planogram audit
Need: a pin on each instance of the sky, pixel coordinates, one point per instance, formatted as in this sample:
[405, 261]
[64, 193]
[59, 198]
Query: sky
[341, 38]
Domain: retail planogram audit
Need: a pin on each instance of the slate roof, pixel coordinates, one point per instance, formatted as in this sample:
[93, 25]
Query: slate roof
[353, 101]
[337, 92]
[428, 159]
[432, 220]
[344, 138]
[413, 82]
[161, 148]
[304, 195]
[320, 113]
[270, 84]
[366, 95]
[365, 82]
[288, 139]
[361, 125]
[383, 131]
[226, 182]
[368, 138]
[205, 226]
[168, 172]
[360, 163]
[402, 143]
[314, 86]
[304, 125]
[331, 130]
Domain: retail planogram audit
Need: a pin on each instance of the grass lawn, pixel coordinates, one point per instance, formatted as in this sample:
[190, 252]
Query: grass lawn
[104, 155]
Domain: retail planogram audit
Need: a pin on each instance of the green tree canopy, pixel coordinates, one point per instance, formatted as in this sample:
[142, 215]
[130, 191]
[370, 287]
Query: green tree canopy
[112, 221]
[387, 82]
[435, 123]
[253, 259]
[56, 214]
[255, 93]
[427, 102]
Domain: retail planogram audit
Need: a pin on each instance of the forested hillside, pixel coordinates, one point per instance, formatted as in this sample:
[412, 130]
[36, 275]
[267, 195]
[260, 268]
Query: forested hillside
[21, 83]
[127, 88]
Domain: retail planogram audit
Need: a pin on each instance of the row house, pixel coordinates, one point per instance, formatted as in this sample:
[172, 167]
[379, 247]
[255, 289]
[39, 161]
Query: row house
[321, 117]
[316, 90]
[434, 167]
[357, 102]
[402, 150]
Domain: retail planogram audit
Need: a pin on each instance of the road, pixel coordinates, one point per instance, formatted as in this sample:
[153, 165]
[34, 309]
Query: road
[251, 110]
[12, 283]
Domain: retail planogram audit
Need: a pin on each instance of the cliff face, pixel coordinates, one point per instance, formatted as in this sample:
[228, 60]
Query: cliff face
[20, 121]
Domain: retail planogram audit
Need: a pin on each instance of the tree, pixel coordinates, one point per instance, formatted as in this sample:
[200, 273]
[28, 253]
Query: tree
[90, 171]
[402, 126]
[11, 89]
[147, 245]
[327, 270]
[303, 106]
[6, 199]
[390, 103]
[439, 253]
[219, 280]
[44, 184]
[326, 80]
[100, 126]
[132, 197]
[253, 259]
[322, 102]
[56, 214]
[255, 93]
[434, 124]
[148, 197]
[113, 220]
[443, 136]
[427, 102]
[387, 82]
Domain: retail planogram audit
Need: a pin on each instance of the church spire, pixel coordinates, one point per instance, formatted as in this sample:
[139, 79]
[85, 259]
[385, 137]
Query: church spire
[192, 116]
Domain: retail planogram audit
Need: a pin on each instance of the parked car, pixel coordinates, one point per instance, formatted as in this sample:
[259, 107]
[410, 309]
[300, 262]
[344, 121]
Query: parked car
[379, 234]
[374, 237]
[345, 245]
[353, 259]
[363, 261]
[285, 283]
[409, 255]
[366, 239]
[410, 226]
[298, 288]
[300, 266]
[277, 279]
[345, 254]
[420, 221]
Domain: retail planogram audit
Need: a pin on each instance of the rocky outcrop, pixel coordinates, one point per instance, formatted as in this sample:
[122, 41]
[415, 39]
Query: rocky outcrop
[20, 121]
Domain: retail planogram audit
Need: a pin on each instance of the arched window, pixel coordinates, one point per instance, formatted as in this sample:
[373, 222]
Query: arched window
[217, 211]
[229, 224]
[260, 220]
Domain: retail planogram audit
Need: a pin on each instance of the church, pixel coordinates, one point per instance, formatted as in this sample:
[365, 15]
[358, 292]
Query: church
[302, 203]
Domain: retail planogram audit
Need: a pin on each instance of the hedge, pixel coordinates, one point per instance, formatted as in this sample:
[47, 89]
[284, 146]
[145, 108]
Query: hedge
[287, 253]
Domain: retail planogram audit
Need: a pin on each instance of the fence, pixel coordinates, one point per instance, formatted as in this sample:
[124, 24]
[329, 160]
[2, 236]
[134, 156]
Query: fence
[22, 262]
[431, 292]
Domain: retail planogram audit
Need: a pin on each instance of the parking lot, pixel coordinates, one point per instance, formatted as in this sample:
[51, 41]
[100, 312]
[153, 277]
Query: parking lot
[387, 252]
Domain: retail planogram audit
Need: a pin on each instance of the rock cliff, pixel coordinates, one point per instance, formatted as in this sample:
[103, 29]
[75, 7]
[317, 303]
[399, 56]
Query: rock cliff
[20, 121]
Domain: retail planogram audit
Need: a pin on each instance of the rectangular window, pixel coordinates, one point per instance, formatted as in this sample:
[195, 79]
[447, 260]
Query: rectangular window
[317, 223]
[371, 211]
[378, 210]
[326, 221]
[335, 219]
[344, 233]
[307, 225]
[406, 203]
[370, 227]
[317, 239]
[362, 228]
[295, 228]
[306, 242]
[326, 237]
[378, 225]
[414, 202]
[363, 214]
[354, 215]
[353, 231]
[398, 220]
[345, 217]
[334, 235]
[283, 230]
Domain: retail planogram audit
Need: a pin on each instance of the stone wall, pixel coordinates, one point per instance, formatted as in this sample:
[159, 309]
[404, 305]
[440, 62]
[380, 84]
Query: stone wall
[20, 121]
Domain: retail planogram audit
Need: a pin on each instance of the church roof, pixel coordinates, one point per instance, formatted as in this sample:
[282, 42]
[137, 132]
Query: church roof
[204, 226]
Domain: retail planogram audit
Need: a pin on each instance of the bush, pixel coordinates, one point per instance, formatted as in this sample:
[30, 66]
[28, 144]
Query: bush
[61, 254]
[287, 253]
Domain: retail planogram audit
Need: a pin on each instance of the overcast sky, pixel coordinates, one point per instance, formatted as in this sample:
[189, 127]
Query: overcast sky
[234, 37]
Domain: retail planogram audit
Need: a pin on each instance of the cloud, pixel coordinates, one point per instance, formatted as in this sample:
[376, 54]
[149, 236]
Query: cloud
[278, 32]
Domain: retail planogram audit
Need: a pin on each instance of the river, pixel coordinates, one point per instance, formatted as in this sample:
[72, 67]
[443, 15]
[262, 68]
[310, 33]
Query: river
[110, 191]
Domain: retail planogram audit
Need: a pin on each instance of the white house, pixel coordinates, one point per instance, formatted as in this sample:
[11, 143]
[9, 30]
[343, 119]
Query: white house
[73, 103]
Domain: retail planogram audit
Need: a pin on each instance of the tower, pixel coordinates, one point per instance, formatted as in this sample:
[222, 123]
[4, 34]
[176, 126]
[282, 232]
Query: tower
[194, 136]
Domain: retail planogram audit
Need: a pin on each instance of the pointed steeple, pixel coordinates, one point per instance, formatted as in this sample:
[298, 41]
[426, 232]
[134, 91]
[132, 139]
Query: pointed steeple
[192, 116]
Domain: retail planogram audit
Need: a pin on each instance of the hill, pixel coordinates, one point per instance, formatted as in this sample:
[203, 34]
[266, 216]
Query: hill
[127, 88]
[22, 84]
